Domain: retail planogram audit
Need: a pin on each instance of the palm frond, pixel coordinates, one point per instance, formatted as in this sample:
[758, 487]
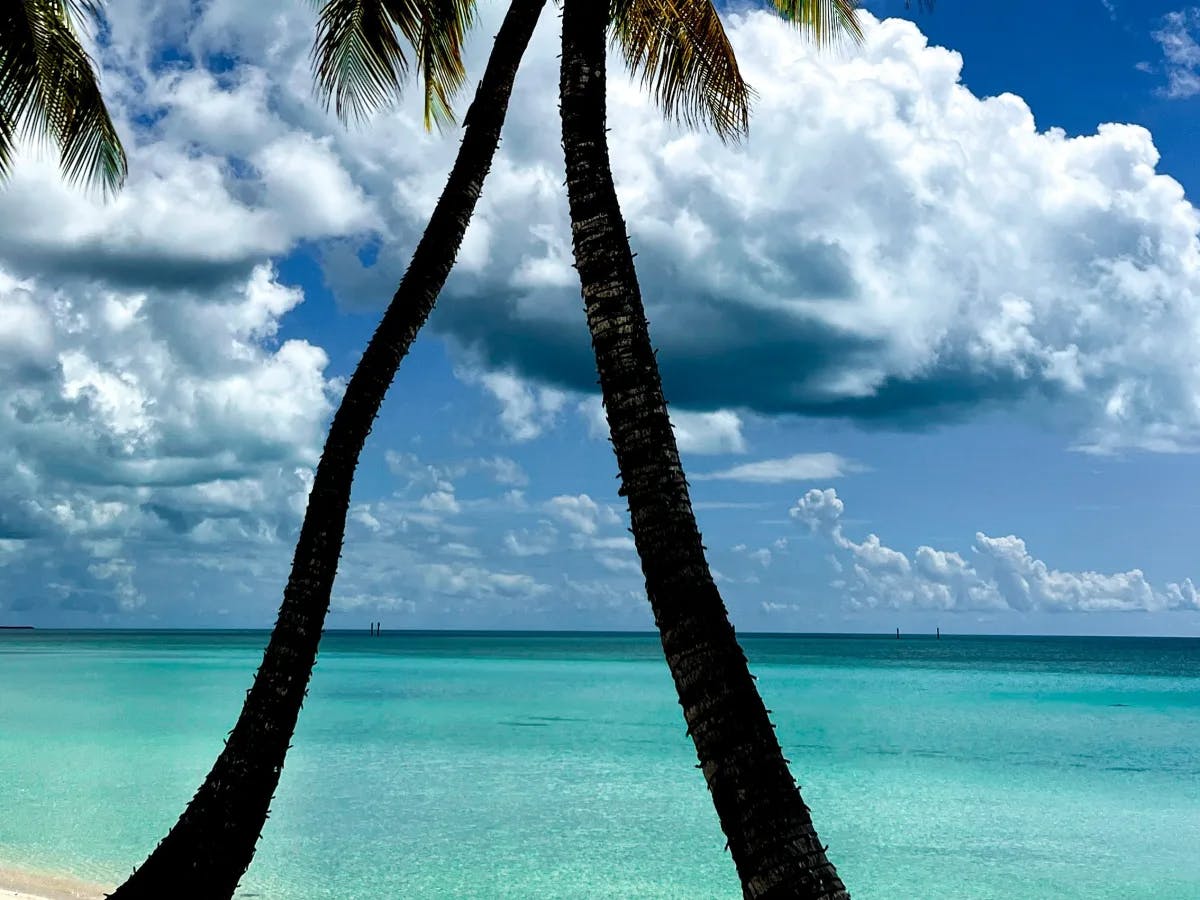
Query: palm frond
[825, 21]
[8, 137]
[439, 55]
[91, 149]
[83, 10]
[682, 55]
[20, 81]
[358, 62]
[360, 54]
[48, 91]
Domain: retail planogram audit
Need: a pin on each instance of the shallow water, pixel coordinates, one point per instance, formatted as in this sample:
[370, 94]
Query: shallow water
[536, 765]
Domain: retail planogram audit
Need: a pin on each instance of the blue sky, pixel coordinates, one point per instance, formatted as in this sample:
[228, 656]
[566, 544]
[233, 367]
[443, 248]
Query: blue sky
[929, 335]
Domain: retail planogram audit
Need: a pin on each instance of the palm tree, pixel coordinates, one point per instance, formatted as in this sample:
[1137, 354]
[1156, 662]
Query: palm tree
[48, 90]
[681, 51]
[359, 61]
[769, 828]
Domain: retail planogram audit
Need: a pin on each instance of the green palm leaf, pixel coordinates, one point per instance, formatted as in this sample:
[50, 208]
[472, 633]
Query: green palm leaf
[48, 91]
[826, 21]
[360, 55]
[681, 52]
[439, 55]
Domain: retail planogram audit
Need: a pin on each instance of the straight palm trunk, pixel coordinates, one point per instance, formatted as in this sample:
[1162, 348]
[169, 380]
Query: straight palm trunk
[770, 831]
[211, 846]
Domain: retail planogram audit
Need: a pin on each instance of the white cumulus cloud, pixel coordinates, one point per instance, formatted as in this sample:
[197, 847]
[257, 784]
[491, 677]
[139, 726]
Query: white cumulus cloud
[885, 246]
[1001, 575]
[582, 513]
[799, 467]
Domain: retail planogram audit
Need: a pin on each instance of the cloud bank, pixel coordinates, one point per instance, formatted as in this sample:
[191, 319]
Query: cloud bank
[162, 417]
[1001, 574]
[886, 246]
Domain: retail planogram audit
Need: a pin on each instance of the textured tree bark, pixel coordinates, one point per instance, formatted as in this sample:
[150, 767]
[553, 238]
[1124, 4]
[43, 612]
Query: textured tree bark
[209, 849]
[770, 831]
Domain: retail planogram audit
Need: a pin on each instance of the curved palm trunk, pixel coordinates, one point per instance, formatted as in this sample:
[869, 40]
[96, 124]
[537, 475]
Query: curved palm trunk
[211, 845]
[770, 831]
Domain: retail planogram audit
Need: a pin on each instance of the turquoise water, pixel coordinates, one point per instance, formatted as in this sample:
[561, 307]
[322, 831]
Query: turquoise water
[529, 766]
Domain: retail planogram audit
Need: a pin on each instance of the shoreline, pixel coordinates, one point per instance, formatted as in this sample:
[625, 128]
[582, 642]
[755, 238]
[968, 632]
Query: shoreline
[27, 884]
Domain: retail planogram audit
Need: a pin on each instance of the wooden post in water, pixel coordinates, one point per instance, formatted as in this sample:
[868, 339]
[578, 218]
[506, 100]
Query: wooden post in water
[939, 633]
[897, 634]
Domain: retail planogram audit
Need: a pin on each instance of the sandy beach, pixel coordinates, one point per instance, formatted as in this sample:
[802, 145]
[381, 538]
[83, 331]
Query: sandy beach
[22, 884]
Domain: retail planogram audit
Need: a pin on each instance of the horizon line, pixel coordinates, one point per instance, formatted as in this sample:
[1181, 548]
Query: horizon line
[651, 632]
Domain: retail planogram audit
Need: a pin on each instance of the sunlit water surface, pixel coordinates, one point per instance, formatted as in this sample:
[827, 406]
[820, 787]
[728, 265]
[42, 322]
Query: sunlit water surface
[527, 766]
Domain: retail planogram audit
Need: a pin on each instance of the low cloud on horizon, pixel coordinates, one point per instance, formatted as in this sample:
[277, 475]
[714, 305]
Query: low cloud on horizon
[1000, 576]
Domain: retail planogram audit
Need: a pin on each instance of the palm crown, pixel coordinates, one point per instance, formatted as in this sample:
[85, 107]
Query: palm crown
[678, 48]
[48, 91]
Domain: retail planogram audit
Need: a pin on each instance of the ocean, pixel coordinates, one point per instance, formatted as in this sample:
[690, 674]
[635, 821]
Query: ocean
[531, 765]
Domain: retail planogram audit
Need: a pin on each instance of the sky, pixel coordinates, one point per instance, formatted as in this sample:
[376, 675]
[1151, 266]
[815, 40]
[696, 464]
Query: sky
[929, 335]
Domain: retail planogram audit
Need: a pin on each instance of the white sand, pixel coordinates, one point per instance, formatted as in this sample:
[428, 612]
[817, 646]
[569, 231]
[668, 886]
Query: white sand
[22, 884]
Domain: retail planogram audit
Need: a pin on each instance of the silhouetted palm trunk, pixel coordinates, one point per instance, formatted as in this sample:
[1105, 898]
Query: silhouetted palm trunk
[770, 831]
[211, 845]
